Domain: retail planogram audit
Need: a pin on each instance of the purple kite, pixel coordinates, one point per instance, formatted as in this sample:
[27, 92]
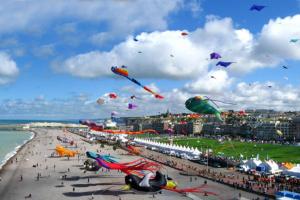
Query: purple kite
[131, 106]
[224, 64]
[257, 7]
[215, 55]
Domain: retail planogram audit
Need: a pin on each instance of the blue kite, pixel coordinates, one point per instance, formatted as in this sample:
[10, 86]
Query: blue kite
[257, 7]
[224, 64]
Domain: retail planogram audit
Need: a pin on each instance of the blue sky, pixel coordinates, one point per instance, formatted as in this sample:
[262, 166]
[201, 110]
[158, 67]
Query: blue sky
[49, 53]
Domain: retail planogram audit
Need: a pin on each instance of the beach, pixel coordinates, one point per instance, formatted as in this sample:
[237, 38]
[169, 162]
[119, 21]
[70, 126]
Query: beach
[20, 179]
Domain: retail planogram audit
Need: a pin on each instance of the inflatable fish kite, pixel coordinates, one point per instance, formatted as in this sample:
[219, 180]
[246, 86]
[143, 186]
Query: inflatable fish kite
[202, 105]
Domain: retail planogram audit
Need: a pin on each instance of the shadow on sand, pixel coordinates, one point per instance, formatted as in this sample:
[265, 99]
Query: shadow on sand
[97, 192]
[95, 184]
[76, 178]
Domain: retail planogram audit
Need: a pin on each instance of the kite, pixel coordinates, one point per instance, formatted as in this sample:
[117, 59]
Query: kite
[131, 106]
[269, 86]
[278, 132]
[99, 127]
[129, 132]
[294, 40]
[160, 181]
[65, 140]
[91, 165]
[202, 106]
[139, 52]
[284, 67]
[112, 95]
[215, 55]
[122, 71]
[224, 64]
[212, 77]
[139, 164]
[100, 101]
[133, 150]
[92, 125]
[136, 40]
[184, 34]
[257, 7]
[146, 184]
[172, 55]
[135, 97]
[61, 151]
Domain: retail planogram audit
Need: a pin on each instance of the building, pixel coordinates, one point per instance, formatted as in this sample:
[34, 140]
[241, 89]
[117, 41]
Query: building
[295, 129]
[190, 128]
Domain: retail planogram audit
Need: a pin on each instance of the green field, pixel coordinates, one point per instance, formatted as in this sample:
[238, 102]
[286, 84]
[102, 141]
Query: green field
[279, 153]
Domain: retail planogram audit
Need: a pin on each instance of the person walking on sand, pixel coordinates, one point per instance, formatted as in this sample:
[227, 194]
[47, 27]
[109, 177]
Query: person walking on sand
[21, 178]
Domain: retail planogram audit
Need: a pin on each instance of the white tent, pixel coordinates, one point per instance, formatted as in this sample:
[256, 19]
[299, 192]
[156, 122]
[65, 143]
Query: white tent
[269, 166]
[252, 163]
[295, 171]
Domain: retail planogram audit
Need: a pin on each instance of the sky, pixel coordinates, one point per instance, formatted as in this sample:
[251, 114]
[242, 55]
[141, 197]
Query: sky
[55, 56]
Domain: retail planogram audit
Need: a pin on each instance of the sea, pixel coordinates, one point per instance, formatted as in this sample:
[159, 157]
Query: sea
[10, 142]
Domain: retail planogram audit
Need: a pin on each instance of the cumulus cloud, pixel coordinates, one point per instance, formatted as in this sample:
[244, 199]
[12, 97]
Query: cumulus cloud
[125, 16]
[8, 69]
[190, 54]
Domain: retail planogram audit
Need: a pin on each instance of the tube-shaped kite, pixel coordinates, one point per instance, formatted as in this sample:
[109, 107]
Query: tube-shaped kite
[122, 71]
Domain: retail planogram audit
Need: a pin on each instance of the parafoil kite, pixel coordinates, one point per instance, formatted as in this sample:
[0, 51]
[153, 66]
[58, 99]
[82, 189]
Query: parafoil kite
[122, 71]
[294, 40]
[132, 106]
[100, 101]
[224, 64]
[213, 77]
[284, 67]
[136, 40]
[257, 7]
[215, 55]
[184, 33]
[112, 95]
[202, 105]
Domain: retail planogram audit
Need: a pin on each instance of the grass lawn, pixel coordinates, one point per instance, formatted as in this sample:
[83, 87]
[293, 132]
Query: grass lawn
[279, 153]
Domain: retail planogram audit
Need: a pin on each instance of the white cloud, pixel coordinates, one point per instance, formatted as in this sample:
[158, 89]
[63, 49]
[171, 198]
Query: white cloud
[8, 69]
[125, 16]
[191, 52]
[215, 82]
[44, 50]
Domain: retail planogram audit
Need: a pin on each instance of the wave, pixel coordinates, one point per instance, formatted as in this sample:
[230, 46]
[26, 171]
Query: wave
[11, 154]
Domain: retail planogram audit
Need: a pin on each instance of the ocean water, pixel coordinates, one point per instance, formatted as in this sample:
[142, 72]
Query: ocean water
[10, 142]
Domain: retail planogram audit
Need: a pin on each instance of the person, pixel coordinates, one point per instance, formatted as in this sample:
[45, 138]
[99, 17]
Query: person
[88, 180]
[68, 169]
[73, 189]
[21, 178]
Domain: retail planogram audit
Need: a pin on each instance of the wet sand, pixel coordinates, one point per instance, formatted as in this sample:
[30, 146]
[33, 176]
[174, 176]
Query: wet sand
[80, 185]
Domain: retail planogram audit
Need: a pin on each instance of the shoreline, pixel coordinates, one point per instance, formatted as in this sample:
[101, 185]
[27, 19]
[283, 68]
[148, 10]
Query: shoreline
[16, 151]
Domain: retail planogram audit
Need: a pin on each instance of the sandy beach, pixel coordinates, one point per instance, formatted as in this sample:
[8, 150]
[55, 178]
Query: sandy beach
[20, 178]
